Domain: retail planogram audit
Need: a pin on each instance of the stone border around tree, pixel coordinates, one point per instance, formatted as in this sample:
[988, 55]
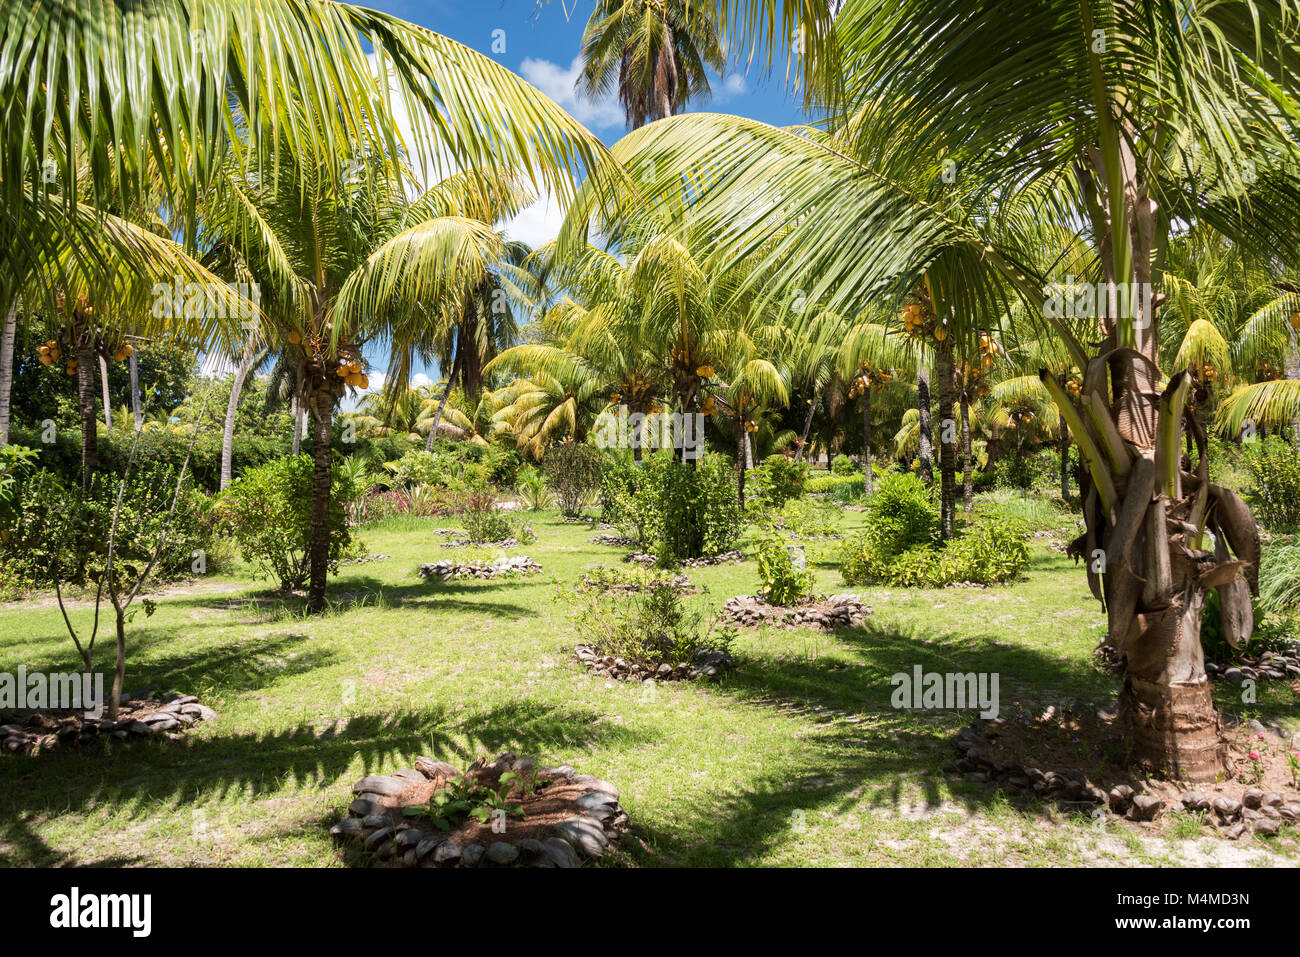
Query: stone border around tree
[1257, 811]
[709, 663]
[375, 824]
[643, 558]
[827, 612]
[142, 717]
[447, 570]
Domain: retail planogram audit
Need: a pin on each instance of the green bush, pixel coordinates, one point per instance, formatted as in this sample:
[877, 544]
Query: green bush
[900, 514]
[808, 518]
[777, 480]
[842, 465]
[55, 528]
[652, 625]
[782, 581]
[1274, 465]
[690, 511]
[267, 512]
[990, 550]
[819, 484]
[573, 473]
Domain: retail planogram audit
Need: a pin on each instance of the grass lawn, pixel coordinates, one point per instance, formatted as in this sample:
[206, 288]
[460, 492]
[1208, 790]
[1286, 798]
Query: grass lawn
[796, 759]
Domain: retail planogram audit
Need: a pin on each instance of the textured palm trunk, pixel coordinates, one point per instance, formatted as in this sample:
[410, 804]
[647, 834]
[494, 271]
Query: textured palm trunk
[232, 410]
[994, 448]
[947, 442]
[7, 370]
[967, 481]
[137, 416]
[442, 403]
[103, 389]
[926, 451]
[85, 353]
[866, 442]
[740, 463]
[1292, 371]
[321, 403]
[295, 410]
[1065, 462]
[807, 427]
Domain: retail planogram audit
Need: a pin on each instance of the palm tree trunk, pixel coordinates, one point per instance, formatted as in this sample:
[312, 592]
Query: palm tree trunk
[1065, 462]
[926, 452]
[749, 453]
[740, 463]
[947, 442]
[136, 414]
[85, 353]
[967, 480]
[442, 403]
[232, 409]
[321, 403]
[807, 427]
[994, 447]
[103, 387]
[295, 410]
[7, 369]
[866, 442]
[1292, 371]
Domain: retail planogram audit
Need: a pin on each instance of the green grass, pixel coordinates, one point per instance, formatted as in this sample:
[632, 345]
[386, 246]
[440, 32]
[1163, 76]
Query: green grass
[797, 759]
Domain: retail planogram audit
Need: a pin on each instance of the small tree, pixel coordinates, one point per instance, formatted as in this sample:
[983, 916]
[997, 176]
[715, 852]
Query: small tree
[572, 471]
[122, 577]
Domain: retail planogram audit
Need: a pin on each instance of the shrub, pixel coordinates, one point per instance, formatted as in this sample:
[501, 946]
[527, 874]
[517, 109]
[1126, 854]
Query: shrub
[777, 480]
[418, 467]
[989, 551]
[651, 626]
[820, 484]
[56, 528]
[900, 513]
[842, 465]
[533, 490]
[267, 512]
[485, 522]
[807, 518]
[691, 511]
[573, 472]
[1274, 466]
[783, 578]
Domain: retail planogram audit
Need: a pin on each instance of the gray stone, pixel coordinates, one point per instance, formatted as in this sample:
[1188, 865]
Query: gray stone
[559, 853]
[1272, 799]
[362, 807]
[1121, 796]
[409, 837]
[530, 847]
[1146, 807]
[1266, 825]
[584, 834]
[1252, 798]
[348, 827]
[595, 799]
[1195, 801]
[596, 784]
[1227, 808]
[446, 853]
[423, 849]
[378, 837]
[375, 820]
[1234, 675]
[471, 854]
[379, 784]
[1234, 832]
[499, 852]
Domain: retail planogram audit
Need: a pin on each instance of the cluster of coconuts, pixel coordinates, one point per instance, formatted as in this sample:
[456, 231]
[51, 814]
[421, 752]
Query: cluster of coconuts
[973, 378]
[916, 325]
[51, 352]
[349, 367]
[867, 378]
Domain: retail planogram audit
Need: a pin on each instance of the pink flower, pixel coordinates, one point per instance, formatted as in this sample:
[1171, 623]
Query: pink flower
[1254, 756]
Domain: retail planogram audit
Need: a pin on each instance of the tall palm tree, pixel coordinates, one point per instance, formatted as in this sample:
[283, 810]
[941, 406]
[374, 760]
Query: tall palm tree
[657, 51]
[1132, 89]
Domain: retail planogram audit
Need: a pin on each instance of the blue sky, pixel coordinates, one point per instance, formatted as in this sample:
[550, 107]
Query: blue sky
[542, 40]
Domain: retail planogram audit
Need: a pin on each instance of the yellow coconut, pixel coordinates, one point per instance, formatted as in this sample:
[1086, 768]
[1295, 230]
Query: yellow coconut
[294, 337]
[45, 359]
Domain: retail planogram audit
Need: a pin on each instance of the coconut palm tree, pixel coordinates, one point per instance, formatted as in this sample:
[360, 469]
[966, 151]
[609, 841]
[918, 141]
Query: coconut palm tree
[1132, 90]
[657, 51]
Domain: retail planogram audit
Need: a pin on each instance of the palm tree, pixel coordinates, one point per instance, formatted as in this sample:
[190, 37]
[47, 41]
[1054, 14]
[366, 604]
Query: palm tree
[1117, 80]
[870, 358]
[658, 52]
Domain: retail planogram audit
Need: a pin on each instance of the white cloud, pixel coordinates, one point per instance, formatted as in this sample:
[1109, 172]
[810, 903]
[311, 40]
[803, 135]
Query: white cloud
[539, 223]
[732, 86]
[420, 381]
[558, 83]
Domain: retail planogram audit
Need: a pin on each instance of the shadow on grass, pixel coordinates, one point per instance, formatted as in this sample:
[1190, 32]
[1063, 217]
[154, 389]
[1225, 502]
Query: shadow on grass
[197, 769]
[865, 754]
